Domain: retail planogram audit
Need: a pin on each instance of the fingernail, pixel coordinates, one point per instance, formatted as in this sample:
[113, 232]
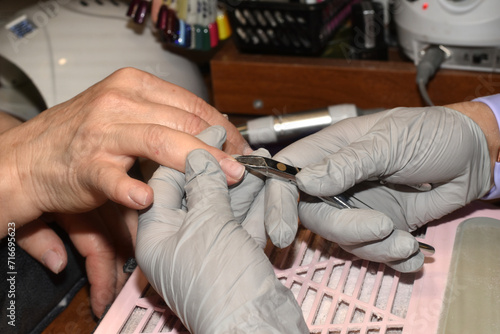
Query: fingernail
[232, 168]
[138, 195]
[53, 261]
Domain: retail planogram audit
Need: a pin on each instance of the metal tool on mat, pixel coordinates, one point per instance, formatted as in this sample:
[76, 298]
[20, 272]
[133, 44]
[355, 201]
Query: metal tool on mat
[273, 168]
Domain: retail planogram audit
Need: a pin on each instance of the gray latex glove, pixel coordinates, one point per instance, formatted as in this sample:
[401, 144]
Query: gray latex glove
[247, 203]
[201, 260]
[421, 147]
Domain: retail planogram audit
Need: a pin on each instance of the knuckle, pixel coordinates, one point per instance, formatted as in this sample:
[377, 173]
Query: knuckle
[202, 109]
[111, 98]
[127, 73]
[155, 139]
[193, 124]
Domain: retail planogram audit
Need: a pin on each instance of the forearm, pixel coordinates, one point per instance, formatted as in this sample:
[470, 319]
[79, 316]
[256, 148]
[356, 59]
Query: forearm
[483, 116]
[7, 121]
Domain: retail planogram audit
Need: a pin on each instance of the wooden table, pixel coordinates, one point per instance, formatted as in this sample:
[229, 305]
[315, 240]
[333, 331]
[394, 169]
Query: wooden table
[76, 318]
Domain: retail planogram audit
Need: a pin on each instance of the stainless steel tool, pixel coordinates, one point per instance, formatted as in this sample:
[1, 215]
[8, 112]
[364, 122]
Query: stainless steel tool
[273, 168]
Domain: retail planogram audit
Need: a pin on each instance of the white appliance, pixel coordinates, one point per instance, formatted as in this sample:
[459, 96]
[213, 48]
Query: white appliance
[54, 49]
[469, 31]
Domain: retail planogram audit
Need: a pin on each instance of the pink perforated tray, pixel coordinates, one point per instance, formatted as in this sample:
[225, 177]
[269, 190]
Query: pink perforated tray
[338, 293]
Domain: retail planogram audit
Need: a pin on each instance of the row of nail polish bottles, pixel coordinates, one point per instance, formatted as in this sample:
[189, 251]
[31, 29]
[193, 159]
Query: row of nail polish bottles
[194, 24]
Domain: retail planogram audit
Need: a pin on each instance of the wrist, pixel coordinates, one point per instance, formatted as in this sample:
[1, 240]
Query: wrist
[12, 211]
[493, 103]
[15, 205]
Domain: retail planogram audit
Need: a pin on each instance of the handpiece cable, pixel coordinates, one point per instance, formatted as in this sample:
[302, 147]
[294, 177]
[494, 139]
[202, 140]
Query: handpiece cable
[431, 61]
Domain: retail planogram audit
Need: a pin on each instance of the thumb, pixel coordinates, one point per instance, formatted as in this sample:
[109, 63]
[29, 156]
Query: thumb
[162, 220]
[396, 248]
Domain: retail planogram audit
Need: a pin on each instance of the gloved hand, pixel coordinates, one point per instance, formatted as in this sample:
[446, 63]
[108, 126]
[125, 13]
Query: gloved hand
[201, 260]
[437, 150]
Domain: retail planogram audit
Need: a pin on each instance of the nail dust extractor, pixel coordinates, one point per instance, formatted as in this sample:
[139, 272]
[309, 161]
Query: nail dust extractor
[53, 50]
[467, 30]
[456, 291]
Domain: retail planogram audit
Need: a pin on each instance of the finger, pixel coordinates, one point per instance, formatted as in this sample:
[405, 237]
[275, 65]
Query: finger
[407, 212]
[235, 144]
[131, 219]
[168, 184]
[396, 150]
[113, 218]
[355, 152]
[281, 213]
[243, 195]
[214, 136]
[339, 172]
[245, 192]
[346, 226]
[160, 222]
[254, 220]
[91, 239]
[168, 147]
[170, 150]
[400, 245]
[412, 264]
[116, 185]
[43, 244]
[206, 189]
[413, 208]
[168, 187]
[153, 89]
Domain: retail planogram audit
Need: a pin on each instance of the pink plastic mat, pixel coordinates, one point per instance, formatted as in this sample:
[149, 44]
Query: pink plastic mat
[338, 293]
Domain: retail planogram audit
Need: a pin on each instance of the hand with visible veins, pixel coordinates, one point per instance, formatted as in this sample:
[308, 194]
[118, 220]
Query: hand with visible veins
[73, 159]
[75, 156]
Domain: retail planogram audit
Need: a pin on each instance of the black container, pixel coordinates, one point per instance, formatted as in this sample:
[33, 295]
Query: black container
[286, 27]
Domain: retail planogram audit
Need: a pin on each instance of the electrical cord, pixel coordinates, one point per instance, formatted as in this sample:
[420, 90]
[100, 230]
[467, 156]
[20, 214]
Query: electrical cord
[431, 61]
